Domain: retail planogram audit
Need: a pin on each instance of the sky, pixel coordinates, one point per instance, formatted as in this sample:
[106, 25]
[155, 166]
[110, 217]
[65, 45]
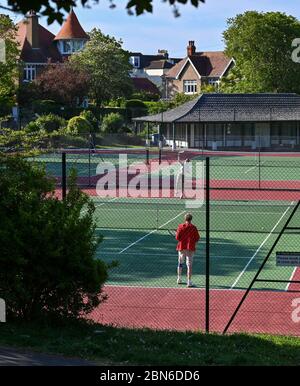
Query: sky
[161, 30]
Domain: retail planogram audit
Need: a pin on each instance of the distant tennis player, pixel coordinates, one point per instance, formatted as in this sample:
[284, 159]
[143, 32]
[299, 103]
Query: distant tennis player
[187, 236]
[184, 170]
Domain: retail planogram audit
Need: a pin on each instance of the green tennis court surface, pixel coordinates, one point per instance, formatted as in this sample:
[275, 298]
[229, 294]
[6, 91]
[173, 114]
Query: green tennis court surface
[86, 163]
[225, 167]
[136, 235]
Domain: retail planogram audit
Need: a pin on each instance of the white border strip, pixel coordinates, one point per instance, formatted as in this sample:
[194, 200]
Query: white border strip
[291, 278]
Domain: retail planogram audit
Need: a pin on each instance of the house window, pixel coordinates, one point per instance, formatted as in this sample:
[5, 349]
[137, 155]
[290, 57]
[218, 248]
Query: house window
[213, 81]
[77, 45]
[135, 61]
[190, 86]
[67, 46]
[70, 46]
[29, 73]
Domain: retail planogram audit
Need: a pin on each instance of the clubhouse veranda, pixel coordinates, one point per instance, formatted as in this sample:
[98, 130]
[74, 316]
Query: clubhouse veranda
[216, 121]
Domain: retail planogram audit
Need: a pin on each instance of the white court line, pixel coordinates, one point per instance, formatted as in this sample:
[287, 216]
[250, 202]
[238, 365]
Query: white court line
[150, 233]
[261, 245]
[103, 203]
[253, 167]
[291, 278]
[106, 202]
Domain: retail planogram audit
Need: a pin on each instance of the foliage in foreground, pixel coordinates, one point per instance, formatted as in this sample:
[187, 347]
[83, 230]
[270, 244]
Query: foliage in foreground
[47, 246]
[109, 345]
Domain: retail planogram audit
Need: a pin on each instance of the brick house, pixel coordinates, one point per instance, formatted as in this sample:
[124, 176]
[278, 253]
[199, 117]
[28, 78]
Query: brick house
[196, 69]
[39, 46]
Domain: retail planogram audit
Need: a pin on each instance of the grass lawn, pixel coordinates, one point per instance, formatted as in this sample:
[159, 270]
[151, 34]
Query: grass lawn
[108, 345]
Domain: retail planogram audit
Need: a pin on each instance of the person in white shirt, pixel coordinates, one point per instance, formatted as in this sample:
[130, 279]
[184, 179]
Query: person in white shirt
[184, 170]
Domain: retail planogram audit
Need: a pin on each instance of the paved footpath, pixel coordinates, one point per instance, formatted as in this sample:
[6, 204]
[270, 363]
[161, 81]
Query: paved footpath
[19, 357]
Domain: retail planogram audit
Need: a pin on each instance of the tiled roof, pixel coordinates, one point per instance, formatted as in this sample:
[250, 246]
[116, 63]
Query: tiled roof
[211, 64]
[234, 107]
[47, 49]
[159, 65]
[144, 84]
[145, 60]
[71, 29]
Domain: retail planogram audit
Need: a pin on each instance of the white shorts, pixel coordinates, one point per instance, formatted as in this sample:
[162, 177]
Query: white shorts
[185, 255]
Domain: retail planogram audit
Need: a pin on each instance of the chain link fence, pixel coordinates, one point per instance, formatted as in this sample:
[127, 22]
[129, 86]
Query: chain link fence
[245, 271]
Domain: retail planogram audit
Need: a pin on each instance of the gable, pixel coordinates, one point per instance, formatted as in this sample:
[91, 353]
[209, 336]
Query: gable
[188, 71]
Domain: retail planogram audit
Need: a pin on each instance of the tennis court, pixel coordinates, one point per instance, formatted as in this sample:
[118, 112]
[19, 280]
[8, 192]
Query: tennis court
[143, 290]
[227, 169]
[252, 197]
[137, 235]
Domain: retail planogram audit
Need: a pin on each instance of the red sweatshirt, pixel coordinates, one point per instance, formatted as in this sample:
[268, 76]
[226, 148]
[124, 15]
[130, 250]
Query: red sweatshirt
[187, 235]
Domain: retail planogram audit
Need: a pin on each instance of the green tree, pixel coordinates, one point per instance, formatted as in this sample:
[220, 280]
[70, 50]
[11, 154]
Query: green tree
[107, 64]
[48, 264]
[261, 44]
[8, 61]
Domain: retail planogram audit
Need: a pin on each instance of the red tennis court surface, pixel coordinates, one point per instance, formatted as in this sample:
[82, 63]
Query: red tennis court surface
[183, 309]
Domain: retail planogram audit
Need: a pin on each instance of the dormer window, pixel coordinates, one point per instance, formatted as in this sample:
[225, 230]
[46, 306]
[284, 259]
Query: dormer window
[135, 61]
[67, 47]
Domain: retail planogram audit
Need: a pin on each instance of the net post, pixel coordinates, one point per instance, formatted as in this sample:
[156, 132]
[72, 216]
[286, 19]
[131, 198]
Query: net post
[64, 175]
[159, 155]
[207, 259]
[147, 156]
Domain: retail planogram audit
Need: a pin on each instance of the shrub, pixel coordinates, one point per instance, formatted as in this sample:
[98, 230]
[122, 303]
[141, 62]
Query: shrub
[47, 123]
[119, 102]
[134, 104]
[90, 117]
[157, 107]
[47, 246]
[145, 96]
[112, 123]
[45, 106]
[79, 125]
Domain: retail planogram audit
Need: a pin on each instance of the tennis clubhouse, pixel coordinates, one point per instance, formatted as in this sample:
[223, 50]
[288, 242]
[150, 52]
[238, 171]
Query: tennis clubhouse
[216, 121]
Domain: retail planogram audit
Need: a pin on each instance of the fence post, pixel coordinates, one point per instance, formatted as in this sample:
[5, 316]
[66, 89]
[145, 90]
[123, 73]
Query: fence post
[89, 166]
[207, 259]
[159, 156]
[64, 175]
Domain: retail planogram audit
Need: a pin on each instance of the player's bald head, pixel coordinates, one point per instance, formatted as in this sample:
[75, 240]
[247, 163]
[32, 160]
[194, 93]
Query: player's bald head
[188, 217]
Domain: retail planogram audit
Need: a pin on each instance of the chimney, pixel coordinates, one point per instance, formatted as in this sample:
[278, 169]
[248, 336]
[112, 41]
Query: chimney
[191, 48]
[32, 29]
[163, 53]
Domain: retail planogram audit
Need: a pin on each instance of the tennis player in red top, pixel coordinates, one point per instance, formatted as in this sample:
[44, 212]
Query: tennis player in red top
[187, 236]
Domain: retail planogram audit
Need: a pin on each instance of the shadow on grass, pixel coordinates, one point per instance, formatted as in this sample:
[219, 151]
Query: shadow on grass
[123, 346]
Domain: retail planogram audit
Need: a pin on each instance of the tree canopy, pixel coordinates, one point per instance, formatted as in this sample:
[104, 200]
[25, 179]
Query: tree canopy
[54, 10]
[261, 44]
[107, 64]
[9, 62]
[63, 83]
